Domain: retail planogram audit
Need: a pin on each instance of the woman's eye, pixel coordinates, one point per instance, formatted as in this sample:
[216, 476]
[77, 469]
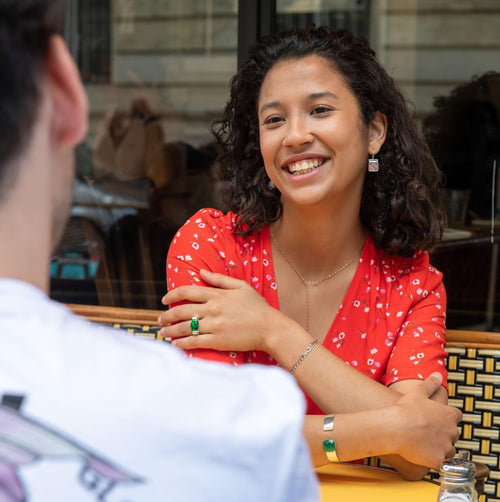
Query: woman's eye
[319, 110]
[272, 120]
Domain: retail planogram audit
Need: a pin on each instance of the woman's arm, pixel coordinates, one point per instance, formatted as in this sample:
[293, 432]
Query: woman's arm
[407, 469]
[192, 249]
[235, 317]
[415, 431]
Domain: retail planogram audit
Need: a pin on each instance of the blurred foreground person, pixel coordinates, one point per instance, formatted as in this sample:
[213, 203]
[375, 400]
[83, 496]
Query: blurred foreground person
[88, 413]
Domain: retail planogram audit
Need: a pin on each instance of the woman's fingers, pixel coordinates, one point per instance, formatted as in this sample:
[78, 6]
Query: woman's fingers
[221, 281]
[199, 294]
[196, 342]
[181, 313]
[193, 294]
[183, 328]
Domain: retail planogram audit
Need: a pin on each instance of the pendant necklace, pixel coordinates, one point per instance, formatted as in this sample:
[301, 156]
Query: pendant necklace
[311, 284]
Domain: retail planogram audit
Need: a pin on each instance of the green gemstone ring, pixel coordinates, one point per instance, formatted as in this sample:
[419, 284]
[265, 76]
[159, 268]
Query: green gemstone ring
[195, 326]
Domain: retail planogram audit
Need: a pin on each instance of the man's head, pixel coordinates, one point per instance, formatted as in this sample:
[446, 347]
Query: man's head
[43, 115]
[25, 29]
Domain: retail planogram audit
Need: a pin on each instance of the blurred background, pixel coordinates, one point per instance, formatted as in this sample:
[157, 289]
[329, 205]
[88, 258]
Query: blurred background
[157, 75]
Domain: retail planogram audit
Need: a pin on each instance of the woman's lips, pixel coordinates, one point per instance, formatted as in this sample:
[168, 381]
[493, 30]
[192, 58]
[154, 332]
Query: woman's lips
[303, 166]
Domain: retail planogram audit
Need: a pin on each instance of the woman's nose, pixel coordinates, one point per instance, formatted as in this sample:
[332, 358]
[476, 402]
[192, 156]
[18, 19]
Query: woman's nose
[297, 132]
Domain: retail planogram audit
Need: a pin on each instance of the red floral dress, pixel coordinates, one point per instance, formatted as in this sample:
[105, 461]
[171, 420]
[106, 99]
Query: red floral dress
[390, 326]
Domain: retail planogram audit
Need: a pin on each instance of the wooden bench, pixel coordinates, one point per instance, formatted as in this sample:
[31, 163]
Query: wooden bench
[473, 364]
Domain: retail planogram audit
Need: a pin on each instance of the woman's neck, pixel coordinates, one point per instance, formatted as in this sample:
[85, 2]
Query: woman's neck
[317, 242]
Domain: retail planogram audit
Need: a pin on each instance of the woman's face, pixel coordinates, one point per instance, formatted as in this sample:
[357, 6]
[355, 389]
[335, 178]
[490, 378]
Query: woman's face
[313, 141]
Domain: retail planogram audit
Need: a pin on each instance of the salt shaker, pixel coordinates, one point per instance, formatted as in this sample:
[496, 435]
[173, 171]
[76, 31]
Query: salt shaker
[457, 481]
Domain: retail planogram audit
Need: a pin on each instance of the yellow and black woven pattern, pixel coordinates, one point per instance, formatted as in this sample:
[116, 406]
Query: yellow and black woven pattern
[146, 331]
[474, 388]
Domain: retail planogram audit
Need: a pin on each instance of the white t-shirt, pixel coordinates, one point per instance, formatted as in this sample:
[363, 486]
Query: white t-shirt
[102, 415]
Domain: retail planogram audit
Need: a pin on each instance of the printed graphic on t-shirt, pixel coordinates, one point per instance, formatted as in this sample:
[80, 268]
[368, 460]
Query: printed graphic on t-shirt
[24, 441]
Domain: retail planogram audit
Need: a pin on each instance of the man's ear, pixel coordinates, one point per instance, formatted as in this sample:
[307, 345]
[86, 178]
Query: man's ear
[377, 131]
[69, 102]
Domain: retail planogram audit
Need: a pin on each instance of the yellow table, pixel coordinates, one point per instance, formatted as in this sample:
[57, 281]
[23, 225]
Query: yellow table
[339, 482]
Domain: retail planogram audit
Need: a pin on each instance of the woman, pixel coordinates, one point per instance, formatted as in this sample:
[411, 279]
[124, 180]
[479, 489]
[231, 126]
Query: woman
[334, 252]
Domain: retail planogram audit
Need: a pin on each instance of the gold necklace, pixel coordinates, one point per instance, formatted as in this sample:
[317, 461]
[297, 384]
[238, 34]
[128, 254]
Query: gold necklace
[311, 284]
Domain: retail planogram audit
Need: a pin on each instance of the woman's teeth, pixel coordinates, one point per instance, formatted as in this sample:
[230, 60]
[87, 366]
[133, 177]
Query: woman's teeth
[304, 166]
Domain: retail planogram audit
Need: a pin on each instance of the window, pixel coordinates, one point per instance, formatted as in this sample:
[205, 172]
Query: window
[88, 32]
[167, 64]
[353, 15]
[156, 73]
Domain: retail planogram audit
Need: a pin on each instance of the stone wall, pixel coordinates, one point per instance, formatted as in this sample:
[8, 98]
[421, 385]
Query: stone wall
[431, 46]
[180, 55]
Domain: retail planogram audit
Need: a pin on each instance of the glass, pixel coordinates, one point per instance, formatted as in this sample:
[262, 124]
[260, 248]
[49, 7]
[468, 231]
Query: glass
[353, 15]
[166, 64]
[457, 481]
[444, 57]
[156, 73]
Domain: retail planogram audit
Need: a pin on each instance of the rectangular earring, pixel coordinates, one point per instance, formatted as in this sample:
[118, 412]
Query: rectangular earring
[373, 165]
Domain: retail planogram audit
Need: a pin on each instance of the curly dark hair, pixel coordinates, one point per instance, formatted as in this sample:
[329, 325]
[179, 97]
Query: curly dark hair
[402, 206]
[25, 28]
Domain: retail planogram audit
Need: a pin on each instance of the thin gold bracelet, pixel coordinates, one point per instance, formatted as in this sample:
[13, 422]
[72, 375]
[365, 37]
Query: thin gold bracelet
[304, 355]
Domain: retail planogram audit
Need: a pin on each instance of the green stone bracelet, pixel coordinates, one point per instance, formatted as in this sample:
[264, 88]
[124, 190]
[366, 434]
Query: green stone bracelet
[329, 449]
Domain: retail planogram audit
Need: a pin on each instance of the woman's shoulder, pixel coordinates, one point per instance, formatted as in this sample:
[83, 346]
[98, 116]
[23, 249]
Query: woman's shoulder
[215, 226]
[415, 270]
[209, 215]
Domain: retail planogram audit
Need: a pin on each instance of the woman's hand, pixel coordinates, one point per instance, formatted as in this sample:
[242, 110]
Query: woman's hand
[232, 315]
[431, 430]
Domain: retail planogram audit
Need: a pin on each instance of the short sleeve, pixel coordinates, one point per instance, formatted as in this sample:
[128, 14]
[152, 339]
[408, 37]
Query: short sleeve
[201, 243]
[420, 345]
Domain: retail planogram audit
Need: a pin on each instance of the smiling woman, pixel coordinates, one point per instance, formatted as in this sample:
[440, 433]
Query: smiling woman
[321, 259]
[313, 141]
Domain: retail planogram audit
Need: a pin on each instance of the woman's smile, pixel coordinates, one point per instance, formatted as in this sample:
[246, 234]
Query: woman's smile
[312, 138]
[304, 166]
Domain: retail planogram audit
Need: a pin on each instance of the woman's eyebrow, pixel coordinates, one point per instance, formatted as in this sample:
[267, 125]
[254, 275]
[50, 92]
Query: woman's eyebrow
[272, 104]
[311, 97]
[325, 94]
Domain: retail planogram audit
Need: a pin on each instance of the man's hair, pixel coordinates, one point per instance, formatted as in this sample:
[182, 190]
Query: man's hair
[25, 28]
[402, 204]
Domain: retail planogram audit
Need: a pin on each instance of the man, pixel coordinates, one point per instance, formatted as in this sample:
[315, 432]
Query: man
[88, 413]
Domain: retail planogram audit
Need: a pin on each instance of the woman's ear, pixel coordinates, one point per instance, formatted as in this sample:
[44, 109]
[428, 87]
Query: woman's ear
[377, 132]
[69, 104]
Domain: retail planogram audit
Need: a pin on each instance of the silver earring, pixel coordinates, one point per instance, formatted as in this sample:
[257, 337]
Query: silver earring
[373, 165]
[270, 184]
